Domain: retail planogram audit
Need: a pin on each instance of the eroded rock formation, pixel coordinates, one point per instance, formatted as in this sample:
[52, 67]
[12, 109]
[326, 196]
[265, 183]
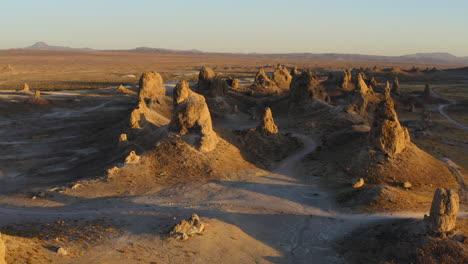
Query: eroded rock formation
[38, 98]
[294, 71]
[281, 77]
[396, 86]
[387, 134]
[188, 228]
[267, 123]
[192, 116]
[26, 89]
[138, 114]
[205, 76]
[122, 89]
[263, 83]
[444, 210]
[305, 87]
[151, 85]
[362, 85]
[346, 79]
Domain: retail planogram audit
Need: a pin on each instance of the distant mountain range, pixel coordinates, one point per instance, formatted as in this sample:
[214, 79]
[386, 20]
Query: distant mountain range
[417, 58]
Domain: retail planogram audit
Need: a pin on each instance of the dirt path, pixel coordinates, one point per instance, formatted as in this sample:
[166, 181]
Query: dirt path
[442, 111]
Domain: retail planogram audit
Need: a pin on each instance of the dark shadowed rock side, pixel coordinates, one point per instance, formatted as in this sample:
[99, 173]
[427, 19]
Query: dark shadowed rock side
[387, 134]
[37, 99]
[26, 89]
[137, 117]
[205, 76]
[396, 86]
[151, 85]
[192, 117]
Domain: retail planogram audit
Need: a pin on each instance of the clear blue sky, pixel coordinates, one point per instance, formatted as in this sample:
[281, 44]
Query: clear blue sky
[393, 27]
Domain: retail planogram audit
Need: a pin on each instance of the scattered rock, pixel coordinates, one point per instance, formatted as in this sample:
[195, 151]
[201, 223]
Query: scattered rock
[218, 86]
[267, 124]
[444, 210]
[61, 251]
[132, 158]
[407, 184]
[151, 85]
[188, 228]
[192, 116]
[305, 87]
[387, 134]
[281, 77]
[123, 138]
[358, 183]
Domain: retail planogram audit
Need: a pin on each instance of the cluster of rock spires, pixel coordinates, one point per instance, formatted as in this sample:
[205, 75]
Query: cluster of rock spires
[281, 77]
[444, 209]
[386, 133]
[346, 80]
[280, 80]
[192, 117]
[263, 83]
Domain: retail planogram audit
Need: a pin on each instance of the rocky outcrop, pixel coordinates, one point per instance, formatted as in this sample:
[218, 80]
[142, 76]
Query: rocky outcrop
[387, 134]
[233, 83]
[305, 87]
[38, 98]
[138, 114]
[373, 83]
[444, 210]
[2, 250]
[263, 83]
[345, 80]
[294, 71]
[396, 86]
[362, 85]
[151, 85]
[26, 89]
[267, 124]
[192, 116]
[132, 158]
[205, 76]
[359, 103]
[281, 77]
[187, 228]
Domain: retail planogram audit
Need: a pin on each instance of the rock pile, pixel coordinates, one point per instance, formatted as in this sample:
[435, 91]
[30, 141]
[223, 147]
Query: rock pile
[444, 210]
[151, 85]
[281, 77]
[267, 124]
[188, 228]
[192, 116]
[138, 114]
[305, 86]
[387, 134]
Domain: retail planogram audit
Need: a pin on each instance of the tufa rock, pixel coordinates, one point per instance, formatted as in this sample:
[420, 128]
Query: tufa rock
[123, 138]
[444, 210]
[132, 158]
[218, 86]
[2, 250]
[151, 85]
[358, 183]
[205, 76]
[294, 72]
[38, 98]
[305, 87]
[346, 79]
[281, 77]
[26, 89]
[362, 85]
[428, 93]
[188, 228]
[192, 116]
[387, 134]
[263, 83]
[267, 124]
[61, 251]
[122, 89]
[396, 86]
[138, 114]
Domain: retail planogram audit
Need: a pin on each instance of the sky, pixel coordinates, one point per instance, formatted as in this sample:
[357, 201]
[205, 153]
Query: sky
[393, 27]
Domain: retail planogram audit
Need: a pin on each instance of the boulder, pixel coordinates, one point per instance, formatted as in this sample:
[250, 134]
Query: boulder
[407, 184]
[138, 114]
[123, 138]
[151, 85]
[267, 124]
[132, 158]
[192, 116]
[387, 134]
[187, 228]
[281, 77]
[444, 210]
[304, 87]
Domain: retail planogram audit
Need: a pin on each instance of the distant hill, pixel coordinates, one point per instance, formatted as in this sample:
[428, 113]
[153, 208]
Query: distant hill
[44, 46]
[421, 58]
